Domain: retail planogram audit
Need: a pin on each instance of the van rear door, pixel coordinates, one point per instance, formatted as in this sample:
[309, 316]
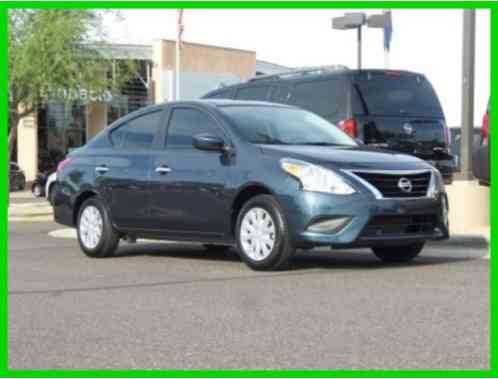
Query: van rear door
[400, 111]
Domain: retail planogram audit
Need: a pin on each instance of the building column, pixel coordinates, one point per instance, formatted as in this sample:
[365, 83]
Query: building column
[162, 76]
[27, 146]
[96, 118]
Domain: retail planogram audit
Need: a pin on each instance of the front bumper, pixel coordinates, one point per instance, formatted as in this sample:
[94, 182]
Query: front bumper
[372, 222]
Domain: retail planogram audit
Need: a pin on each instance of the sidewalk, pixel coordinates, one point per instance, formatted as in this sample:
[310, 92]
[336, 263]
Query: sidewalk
[23, 206]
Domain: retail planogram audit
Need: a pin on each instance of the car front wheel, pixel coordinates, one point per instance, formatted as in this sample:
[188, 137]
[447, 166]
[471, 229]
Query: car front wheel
[398, 254]
[96, 235]
[263, 238]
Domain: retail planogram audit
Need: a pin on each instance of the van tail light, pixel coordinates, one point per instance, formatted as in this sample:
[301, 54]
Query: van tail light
[350, 127]
[485, 128]
[63, 164]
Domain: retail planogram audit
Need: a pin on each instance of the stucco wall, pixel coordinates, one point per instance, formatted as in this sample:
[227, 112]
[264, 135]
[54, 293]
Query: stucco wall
[27, 146]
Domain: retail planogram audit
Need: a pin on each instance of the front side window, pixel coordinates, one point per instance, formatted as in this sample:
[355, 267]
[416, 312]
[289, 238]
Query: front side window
[138, 133]
[186, 123]
[284, 126]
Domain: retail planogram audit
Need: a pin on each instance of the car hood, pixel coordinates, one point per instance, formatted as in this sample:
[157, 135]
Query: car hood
[347, 157]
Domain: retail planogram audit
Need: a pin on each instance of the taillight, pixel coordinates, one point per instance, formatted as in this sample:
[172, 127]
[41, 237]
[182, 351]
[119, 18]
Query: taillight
[63, 164]
[349, 127]
[485, 128]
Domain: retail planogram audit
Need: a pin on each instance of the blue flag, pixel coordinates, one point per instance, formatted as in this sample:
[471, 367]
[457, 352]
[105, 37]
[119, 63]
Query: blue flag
[388, 31]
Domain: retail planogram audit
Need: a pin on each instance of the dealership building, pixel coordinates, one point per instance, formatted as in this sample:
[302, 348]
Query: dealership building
[46, 136]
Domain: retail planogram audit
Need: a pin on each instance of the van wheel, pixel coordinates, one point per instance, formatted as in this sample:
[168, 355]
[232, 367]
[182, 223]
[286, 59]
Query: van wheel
[398, 254]
[262, 235]
[96, 235]
[216, 248]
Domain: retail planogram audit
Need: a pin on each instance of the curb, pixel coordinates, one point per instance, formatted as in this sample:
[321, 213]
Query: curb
[464, 241]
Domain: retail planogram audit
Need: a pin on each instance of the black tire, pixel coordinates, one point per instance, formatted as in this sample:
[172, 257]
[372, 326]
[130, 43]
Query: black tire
[22, 184]
[398, 254]
[283, 250]
[109, 239]
[217, 248]
[51, 193]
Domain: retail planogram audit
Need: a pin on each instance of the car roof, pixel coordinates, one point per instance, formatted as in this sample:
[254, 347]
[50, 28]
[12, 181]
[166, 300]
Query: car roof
[215, 103]
[290, 80]
[220, 103]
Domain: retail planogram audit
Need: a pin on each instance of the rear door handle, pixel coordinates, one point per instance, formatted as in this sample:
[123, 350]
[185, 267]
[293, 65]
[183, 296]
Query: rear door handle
[102, 169]
[163, 169]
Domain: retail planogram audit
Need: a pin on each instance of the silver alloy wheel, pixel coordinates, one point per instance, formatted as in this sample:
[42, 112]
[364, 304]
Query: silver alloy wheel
[257, 234]
[91, 227]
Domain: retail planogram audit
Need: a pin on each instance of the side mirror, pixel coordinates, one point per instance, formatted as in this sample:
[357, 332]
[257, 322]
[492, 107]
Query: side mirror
[208, 142]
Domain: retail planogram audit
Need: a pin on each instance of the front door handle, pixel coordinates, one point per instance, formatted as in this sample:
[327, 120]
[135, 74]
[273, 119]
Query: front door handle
[102, 169]
[162, 170]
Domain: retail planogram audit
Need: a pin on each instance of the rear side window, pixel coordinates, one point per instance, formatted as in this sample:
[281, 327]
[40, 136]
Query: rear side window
[253, 93]
[327, 98]
[138, 133]
[395, 94]
[221, 95]
[186, 123]
[280, 95]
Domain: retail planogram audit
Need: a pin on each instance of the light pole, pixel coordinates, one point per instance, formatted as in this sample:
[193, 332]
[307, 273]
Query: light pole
[351, 21]
[356, 21]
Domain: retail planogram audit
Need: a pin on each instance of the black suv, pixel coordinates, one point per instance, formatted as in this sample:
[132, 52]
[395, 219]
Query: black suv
[396, 110]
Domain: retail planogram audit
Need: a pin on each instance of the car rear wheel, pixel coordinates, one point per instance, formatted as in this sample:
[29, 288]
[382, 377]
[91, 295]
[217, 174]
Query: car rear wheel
[398, 254]
[96, 235]
[263, 238]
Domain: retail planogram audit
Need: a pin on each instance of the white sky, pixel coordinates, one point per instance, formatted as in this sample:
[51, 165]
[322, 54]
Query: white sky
[426, 41]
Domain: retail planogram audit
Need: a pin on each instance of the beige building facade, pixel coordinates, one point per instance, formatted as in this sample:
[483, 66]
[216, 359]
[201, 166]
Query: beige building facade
[45, 137]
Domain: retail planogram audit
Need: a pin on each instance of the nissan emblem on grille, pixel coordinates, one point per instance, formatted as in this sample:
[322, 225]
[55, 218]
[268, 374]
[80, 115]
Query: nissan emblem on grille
[405, 185]
[408, 128]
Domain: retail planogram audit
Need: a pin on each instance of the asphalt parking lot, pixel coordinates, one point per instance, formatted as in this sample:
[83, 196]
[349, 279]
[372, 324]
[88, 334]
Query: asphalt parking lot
[161, 305]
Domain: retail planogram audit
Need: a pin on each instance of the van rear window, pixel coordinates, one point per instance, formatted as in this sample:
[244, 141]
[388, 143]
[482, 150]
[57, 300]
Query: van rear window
[394, 95]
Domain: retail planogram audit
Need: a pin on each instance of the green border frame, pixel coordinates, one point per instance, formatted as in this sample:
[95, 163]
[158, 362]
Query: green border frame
[6, 372]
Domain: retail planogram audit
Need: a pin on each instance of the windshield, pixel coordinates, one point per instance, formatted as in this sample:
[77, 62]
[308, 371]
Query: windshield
[398, 94]
[284, 126]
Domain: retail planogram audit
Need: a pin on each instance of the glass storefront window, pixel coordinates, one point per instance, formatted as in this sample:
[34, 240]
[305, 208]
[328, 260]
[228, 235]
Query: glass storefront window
[61, 128]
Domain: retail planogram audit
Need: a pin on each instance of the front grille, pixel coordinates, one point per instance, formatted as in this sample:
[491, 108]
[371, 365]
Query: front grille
[388, 184]
[391, 226]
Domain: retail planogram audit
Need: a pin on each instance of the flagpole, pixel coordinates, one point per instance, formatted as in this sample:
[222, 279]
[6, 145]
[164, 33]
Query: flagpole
[388, 30]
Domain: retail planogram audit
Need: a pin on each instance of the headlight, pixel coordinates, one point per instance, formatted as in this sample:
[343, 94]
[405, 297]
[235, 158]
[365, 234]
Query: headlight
[315, 178]
[436, 185]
